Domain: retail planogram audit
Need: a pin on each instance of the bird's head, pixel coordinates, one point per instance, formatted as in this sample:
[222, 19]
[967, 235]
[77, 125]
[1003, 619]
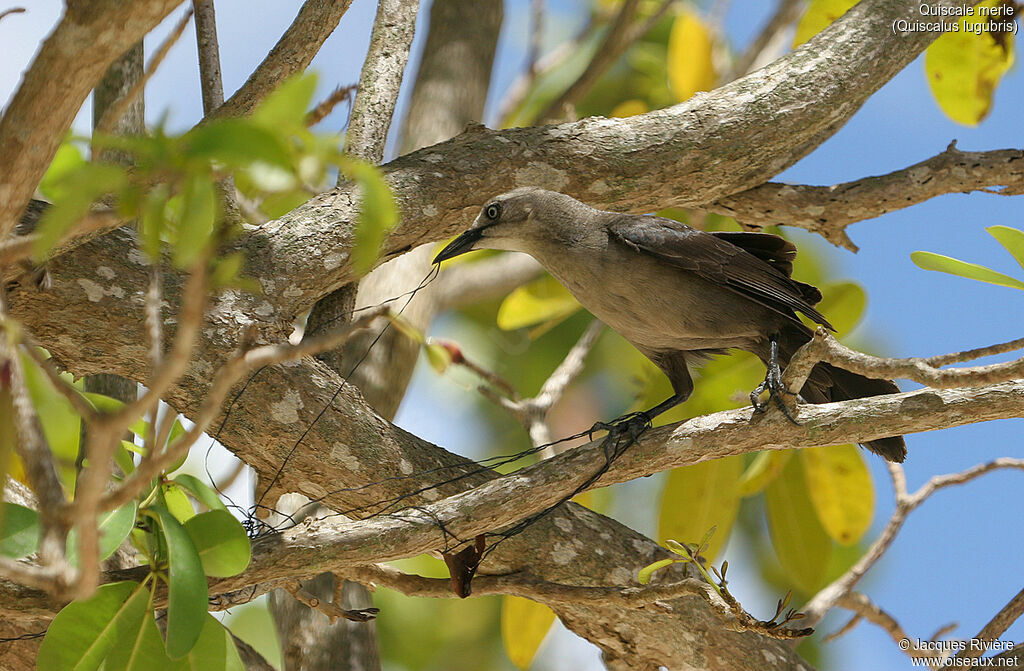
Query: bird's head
[518, 221]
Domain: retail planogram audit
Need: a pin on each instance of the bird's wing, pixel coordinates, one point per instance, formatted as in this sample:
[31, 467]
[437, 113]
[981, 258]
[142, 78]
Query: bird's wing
[754, 267]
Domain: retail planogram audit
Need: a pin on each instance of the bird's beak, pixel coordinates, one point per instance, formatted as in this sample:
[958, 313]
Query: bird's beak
[460, 245]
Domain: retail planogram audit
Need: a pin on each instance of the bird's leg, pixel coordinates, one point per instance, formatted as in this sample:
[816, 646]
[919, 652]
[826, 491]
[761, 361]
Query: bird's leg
[773, 384]
[635, 423]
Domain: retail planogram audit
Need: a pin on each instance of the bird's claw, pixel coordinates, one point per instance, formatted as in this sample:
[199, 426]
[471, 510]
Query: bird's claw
[632, 424]
[773, 385]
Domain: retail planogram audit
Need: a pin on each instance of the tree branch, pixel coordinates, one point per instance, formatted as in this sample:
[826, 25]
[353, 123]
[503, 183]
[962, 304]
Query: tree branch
[828, 210]
[997, 626]
[292, 54]
[381, 79]
[301, 551]
[89, 37]
[688, 155]
[209, 55]
[842, 587]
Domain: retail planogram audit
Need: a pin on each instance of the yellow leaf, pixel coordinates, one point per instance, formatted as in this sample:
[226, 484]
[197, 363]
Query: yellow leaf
[841, 489]
[690, 67]
[630, 108]
[438, 357]
[540, 300]
[965, 64]
[699, 497]
[765, 467]
[800, 543]
[820, 15]
[524, 624]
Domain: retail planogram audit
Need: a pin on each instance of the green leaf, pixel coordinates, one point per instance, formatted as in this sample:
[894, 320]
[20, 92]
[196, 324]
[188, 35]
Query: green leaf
[19, 530]
[177, 431]
[79, 188]
[1010, 238]
[699, 497]
[83, 631]
[61, 424]
[763, 469]
[187, 590]
[177, 502]
[278, 204]
[964, 66]
[843, 303]
[286, 107]
[538, 301]
[221, 542]
[840, 487]
[972, 271]
[820, 15]
[802, 546]
[524, 624]
[237, 143]
[203, 492]
[123, 456]
[215, 650]
[141, 649]
[153, 221]
[113, 526]
[645, 574]
[198, 215]
[377, 215]
[67, 159]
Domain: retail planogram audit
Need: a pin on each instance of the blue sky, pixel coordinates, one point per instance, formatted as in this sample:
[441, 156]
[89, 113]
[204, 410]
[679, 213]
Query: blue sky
[956, 558]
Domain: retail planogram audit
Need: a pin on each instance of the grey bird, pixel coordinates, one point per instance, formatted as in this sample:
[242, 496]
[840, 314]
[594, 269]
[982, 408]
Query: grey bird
[678, 294]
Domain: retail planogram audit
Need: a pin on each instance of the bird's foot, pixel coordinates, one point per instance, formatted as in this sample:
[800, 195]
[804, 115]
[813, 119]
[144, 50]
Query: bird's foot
[773, 385]
[632, 425]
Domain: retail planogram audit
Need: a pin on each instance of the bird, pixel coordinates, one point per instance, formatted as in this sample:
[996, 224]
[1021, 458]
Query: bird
[678, 294]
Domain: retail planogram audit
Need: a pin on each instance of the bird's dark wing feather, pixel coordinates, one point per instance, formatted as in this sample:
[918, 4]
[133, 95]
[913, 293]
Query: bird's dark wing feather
[754, 267]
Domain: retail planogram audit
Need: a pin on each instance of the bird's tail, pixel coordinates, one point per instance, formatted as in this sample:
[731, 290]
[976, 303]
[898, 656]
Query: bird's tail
[828, 383]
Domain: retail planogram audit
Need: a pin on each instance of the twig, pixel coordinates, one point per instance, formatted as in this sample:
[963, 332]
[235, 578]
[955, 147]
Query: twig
[536, 39]
[329, 608]
[292, 54]
[338, 96]
[786, 13]
[53, 574]
[209, 55]
[522, 86]
[863, 606]
[381, 79]
[114, 113]
[824, 347]
[621, 35]
[13, 10]
[997, 626]
[532, 412]
[832, 594]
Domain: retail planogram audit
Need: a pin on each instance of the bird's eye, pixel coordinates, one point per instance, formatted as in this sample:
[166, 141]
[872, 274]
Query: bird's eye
[493, 211]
